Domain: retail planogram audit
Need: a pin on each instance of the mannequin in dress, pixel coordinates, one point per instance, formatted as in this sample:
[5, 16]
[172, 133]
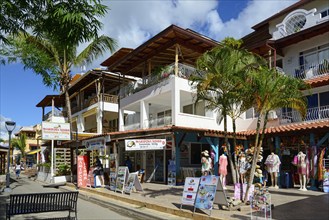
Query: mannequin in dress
[242, 167]
[273, 164]
[302, 170]
[223, 169]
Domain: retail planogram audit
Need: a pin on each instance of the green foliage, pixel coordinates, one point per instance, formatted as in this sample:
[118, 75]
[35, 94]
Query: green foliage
[63, 170]
[20, 143]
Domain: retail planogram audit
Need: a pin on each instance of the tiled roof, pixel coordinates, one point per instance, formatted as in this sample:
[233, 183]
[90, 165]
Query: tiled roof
[318, 81]
[295, 127]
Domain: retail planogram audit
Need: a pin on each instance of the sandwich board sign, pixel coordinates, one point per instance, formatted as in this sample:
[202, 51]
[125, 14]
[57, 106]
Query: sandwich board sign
[133, 182]
[205, 196]
[121, 179]
[190, 191]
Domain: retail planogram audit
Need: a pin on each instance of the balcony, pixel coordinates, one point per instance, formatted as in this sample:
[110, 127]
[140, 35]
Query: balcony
[312, 71]
[184, 71]
[91, 100]
[159, 122]
[132, 126]
[313, 114]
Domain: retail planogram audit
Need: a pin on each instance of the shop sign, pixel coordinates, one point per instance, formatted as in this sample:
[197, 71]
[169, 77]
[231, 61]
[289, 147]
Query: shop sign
[82, 171]
[55, 131]
[145, 144]
[96, 143]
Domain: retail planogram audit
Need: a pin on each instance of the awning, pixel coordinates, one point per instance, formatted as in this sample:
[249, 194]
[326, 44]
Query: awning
[33, 152]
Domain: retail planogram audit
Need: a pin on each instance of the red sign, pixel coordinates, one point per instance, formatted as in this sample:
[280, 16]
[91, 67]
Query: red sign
[82, 171]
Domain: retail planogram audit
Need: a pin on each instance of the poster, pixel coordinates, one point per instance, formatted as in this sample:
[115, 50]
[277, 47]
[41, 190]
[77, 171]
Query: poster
[113, 171]
[121, 180]
[90, 180]
[82, 171]
[172, 173]
[133, 183]
[190, 190]
[206, 192]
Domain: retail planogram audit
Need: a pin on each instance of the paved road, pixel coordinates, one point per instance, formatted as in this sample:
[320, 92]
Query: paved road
[86, 210]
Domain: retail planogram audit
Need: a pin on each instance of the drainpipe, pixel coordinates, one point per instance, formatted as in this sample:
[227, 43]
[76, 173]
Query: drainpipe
[272, 48]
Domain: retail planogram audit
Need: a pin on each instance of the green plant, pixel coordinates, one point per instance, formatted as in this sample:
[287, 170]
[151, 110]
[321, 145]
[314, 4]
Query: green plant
[63, 170]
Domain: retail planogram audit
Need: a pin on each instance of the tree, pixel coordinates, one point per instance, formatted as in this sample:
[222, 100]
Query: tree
[20, 143]
[221, 83]
[51, 51]
[272, 90]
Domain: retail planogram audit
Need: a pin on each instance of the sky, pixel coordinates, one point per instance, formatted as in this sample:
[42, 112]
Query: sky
[130, 23]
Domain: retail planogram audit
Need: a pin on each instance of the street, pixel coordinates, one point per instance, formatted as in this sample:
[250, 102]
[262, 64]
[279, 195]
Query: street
[86, 209]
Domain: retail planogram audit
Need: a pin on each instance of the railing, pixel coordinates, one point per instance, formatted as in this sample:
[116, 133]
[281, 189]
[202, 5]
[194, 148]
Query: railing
[159, 122]
[312, 114]
[132, 126]
[313, 70]
[93, 100]
[57, 113]
[184, 71]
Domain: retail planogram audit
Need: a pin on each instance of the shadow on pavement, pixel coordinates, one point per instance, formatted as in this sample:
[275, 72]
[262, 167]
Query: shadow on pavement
[155, 193]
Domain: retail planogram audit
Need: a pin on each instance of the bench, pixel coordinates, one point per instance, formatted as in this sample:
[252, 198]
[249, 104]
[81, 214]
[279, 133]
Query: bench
[42, 202]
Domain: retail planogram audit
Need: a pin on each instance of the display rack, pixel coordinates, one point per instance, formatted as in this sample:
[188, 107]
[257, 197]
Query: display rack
[260, 204]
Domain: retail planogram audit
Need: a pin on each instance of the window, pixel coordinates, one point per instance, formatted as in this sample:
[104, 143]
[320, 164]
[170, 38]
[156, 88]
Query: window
[164, 118]
[195, 108]
[295, 23]
[251, 113]
[324, 13]
[313, 57]
[196, 150]
[324, 99]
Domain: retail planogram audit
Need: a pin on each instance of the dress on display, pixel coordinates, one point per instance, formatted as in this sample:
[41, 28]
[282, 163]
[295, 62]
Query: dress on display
[223, 165]
[243, 165]
[302, 166]
[273, 163]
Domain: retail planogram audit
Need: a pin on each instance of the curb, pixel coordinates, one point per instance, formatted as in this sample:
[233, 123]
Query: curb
[138, 203]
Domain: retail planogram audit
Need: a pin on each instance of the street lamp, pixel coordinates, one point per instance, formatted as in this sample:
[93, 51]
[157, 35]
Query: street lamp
[10, 126]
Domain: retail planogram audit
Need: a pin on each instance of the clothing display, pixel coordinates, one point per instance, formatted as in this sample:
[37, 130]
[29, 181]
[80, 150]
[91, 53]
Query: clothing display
[302, 165]
[243, 165]
[223, 165]
[273, 163]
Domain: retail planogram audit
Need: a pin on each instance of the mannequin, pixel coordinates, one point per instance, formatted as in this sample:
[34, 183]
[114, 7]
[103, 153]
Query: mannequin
[223, 169]
[302, 170]
[273, 164]
[242, 167]
[205, 165]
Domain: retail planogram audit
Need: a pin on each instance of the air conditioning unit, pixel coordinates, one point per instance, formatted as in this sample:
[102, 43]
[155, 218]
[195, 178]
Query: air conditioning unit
[272, 115]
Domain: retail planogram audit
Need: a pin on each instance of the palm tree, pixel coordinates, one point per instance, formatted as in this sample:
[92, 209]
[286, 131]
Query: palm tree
[272, 90]
[221, 83]
[20, 143]
[53, 61]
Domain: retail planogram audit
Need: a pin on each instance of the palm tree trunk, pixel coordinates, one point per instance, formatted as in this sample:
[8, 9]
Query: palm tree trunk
[254, 160]
[234, 145]
[229, 150]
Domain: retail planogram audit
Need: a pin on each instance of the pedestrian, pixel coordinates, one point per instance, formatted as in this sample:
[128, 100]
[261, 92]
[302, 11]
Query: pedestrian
[99, 170]
[18, 167]
[128, 163]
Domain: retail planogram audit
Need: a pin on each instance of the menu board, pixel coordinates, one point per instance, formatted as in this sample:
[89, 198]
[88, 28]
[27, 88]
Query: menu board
[121, 180]
[190, 190]
[206, 192]
[82, 171]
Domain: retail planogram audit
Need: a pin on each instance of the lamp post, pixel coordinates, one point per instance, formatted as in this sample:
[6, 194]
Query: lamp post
[10, 126]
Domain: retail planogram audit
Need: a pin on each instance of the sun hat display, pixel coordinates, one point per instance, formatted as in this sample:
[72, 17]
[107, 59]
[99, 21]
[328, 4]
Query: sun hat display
[205, 153]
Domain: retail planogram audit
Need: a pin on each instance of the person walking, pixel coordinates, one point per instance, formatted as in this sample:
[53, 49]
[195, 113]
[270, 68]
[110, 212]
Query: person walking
[18, 168]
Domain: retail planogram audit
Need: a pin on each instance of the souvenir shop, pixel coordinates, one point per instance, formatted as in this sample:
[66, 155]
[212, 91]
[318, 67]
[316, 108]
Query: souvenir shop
[289, 149]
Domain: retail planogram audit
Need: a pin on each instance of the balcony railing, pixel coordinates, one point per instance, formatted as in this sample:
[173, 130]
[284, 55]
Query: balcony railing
[159, 122]
[313, 114]
[57, 113]
[93, 100]
[132, 126]
[184, 71]
[312, 71]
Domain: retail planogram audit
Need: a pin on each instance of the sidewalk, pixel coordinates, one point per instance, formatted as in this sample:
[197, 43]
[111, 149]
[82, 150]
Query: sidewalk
[161, 201]
[288, 203]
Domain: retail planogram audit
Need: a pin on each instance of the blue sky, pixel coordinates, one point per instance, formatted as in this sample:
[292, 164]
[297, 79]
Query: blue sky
[131, 23]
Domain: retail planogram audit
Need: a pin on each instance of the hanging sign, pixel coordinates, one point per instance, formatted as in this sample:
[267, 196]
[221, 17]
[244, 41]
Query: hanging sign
[206, 192]
[55, 131]
[121, 180]
[190, 190]
[96, 143]
[82, 171]
[145, 144]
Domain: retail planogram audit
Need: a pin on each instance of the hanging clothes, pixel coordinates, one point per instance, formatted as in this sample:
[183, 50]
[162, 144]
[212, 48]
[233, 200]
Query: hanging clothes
[273, 163]
[320, 165]
[223, 165]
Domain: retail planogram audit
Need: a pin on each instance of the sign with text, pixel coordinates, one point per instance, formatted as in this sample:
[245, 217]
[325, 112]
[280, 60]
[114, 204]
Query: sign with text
[56, 131]
[206, 192]
[96, 143]
[82, 171]
[145, 144]
[113, 171]
[121, 179]
[190, 190]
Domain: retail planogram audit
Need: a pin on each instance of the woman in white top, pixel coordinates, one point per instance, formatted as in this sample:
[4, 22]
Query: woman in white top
[18, 168]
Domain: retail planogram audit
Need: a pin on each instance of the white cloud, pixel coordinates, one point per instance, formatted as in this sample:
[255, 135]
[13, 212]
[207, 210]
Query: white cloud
[133, 22]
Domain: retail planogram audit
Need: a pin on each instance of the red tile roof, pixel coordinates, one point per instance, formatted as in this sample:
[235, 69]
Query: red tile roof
[318, 81]
[295, 127]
